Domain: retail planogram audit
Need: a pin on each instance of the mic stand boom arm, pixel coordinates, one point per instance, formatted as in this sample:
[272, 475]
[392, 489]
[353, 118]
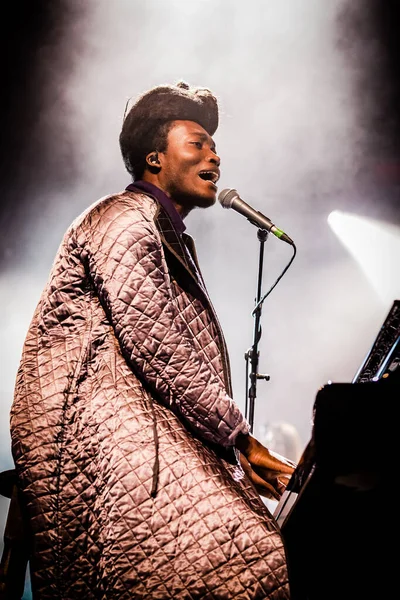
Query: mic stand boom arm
[252, 354]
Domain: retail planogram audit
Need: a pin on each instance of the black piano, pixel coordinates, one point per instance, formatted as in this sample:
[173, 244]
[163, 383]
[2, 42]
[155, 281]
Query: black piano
[339, 513]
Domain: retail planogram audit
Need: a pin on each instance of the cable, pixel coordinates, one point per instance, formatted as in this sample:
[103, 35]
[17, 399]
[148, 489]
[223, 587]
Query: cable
[258, 305]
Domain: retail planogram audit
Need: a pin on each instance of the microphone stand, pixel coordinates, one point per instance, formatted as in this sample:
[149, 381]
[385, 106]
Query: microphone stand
[252, 354]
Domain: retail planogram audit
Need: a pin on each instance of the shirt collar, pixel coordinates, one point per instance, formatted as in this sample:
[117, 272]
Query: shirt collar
[163, 199]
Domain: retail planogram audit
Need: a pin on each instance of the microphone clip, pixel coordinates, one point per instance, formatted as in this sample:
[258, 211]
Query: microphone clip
[262, 235]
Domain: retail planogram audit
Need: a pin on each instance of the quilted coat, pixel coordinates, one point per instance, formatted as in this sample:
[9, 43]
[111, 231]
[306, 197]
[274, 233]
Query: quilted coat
[123, 426]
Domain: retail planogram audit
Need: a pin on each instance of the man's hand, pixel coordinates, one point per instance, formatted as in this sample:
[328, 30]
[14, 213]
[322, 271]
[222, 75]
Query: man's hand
[269, 471]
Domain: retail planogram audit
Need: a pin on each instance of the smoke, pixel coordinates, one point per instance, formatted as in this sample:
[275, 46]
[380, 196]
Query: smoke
[291, 138]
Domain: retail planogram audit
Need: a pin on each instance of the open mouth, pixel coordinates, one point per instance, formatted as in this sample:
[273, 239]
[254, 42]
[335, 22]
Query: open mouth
[209, 176]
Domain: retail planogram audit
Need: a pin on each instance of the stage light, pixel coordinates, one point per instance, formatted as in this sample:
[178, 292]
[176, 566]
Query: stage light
[376, 248]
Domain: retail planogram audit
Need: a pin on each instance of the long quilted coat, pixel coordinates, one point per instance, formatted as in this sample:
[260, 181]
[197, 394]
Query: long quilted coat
[123, 426]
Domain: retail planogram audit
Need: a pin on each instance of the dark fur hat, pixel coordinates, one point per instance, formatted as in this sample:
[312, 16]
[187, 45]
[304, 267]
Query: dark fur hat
[158, 106]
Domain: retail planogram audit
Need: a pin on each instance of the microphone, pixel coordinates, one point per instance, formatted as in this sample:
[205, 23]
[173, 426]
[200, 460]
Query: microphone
[229, 198]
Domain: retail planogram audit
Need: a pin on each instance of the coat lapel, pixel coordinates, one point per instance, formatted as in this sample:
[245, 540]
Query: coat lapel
[176, 245]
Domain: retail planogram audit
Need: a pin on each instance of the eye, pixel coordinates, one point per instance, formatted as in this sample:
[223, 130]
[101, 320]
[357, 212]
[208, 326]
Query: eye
[197, 144]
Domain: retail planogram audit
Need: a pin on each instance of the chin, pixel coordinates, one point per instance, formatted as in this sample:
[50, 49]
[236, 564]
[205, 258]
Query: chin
[196, 199]
[206, 201]
[206, 197]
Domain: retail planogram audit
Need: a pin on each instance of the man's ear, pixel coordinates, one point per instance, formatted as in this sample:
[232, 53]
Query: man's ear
[152, 160]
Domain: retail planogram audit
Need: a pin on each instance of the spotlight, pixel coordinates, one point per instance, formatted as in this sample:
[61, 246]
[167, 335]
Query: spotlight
[375, 246]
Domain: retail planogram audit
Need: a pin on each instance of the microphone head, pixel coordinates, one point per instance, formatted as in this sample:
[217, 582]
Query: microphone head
[226, 197]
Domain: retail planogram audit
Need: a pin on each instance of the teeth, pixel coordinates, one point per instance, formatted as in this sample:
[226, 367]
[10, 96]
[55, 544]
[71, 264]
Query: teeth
[212, 176]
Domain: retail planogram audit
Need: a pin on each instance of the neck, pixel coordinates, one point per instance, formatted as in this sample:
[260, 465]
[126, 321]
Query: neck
[154, 179]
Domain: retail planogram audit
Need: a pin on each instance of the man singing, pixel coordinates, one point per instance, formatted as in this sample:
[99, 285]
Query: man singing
[137, 470]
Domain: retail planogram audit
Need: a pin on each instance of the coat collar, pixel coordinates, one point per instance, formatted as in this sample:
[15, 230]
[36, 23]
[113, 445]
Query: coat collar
[171, 228]
[163, 199]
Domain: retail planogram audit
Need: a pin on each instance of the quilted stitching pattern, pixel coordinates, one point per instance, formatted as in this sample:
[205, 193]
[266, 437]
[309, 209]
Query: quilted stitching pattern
[114, 330]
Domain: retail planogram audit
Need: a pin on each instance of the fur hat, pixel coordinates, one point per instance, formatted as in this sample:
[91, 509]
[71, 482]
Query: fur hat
[159, 105]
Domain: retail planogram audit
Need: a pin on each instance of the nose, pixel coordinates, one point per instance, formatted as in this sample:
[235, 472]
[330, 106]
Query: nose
[214, 158]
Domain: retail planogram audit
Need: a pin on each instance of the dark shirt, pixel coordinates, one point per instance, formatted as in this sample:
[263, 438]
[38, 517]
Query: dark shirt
[163, 199]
